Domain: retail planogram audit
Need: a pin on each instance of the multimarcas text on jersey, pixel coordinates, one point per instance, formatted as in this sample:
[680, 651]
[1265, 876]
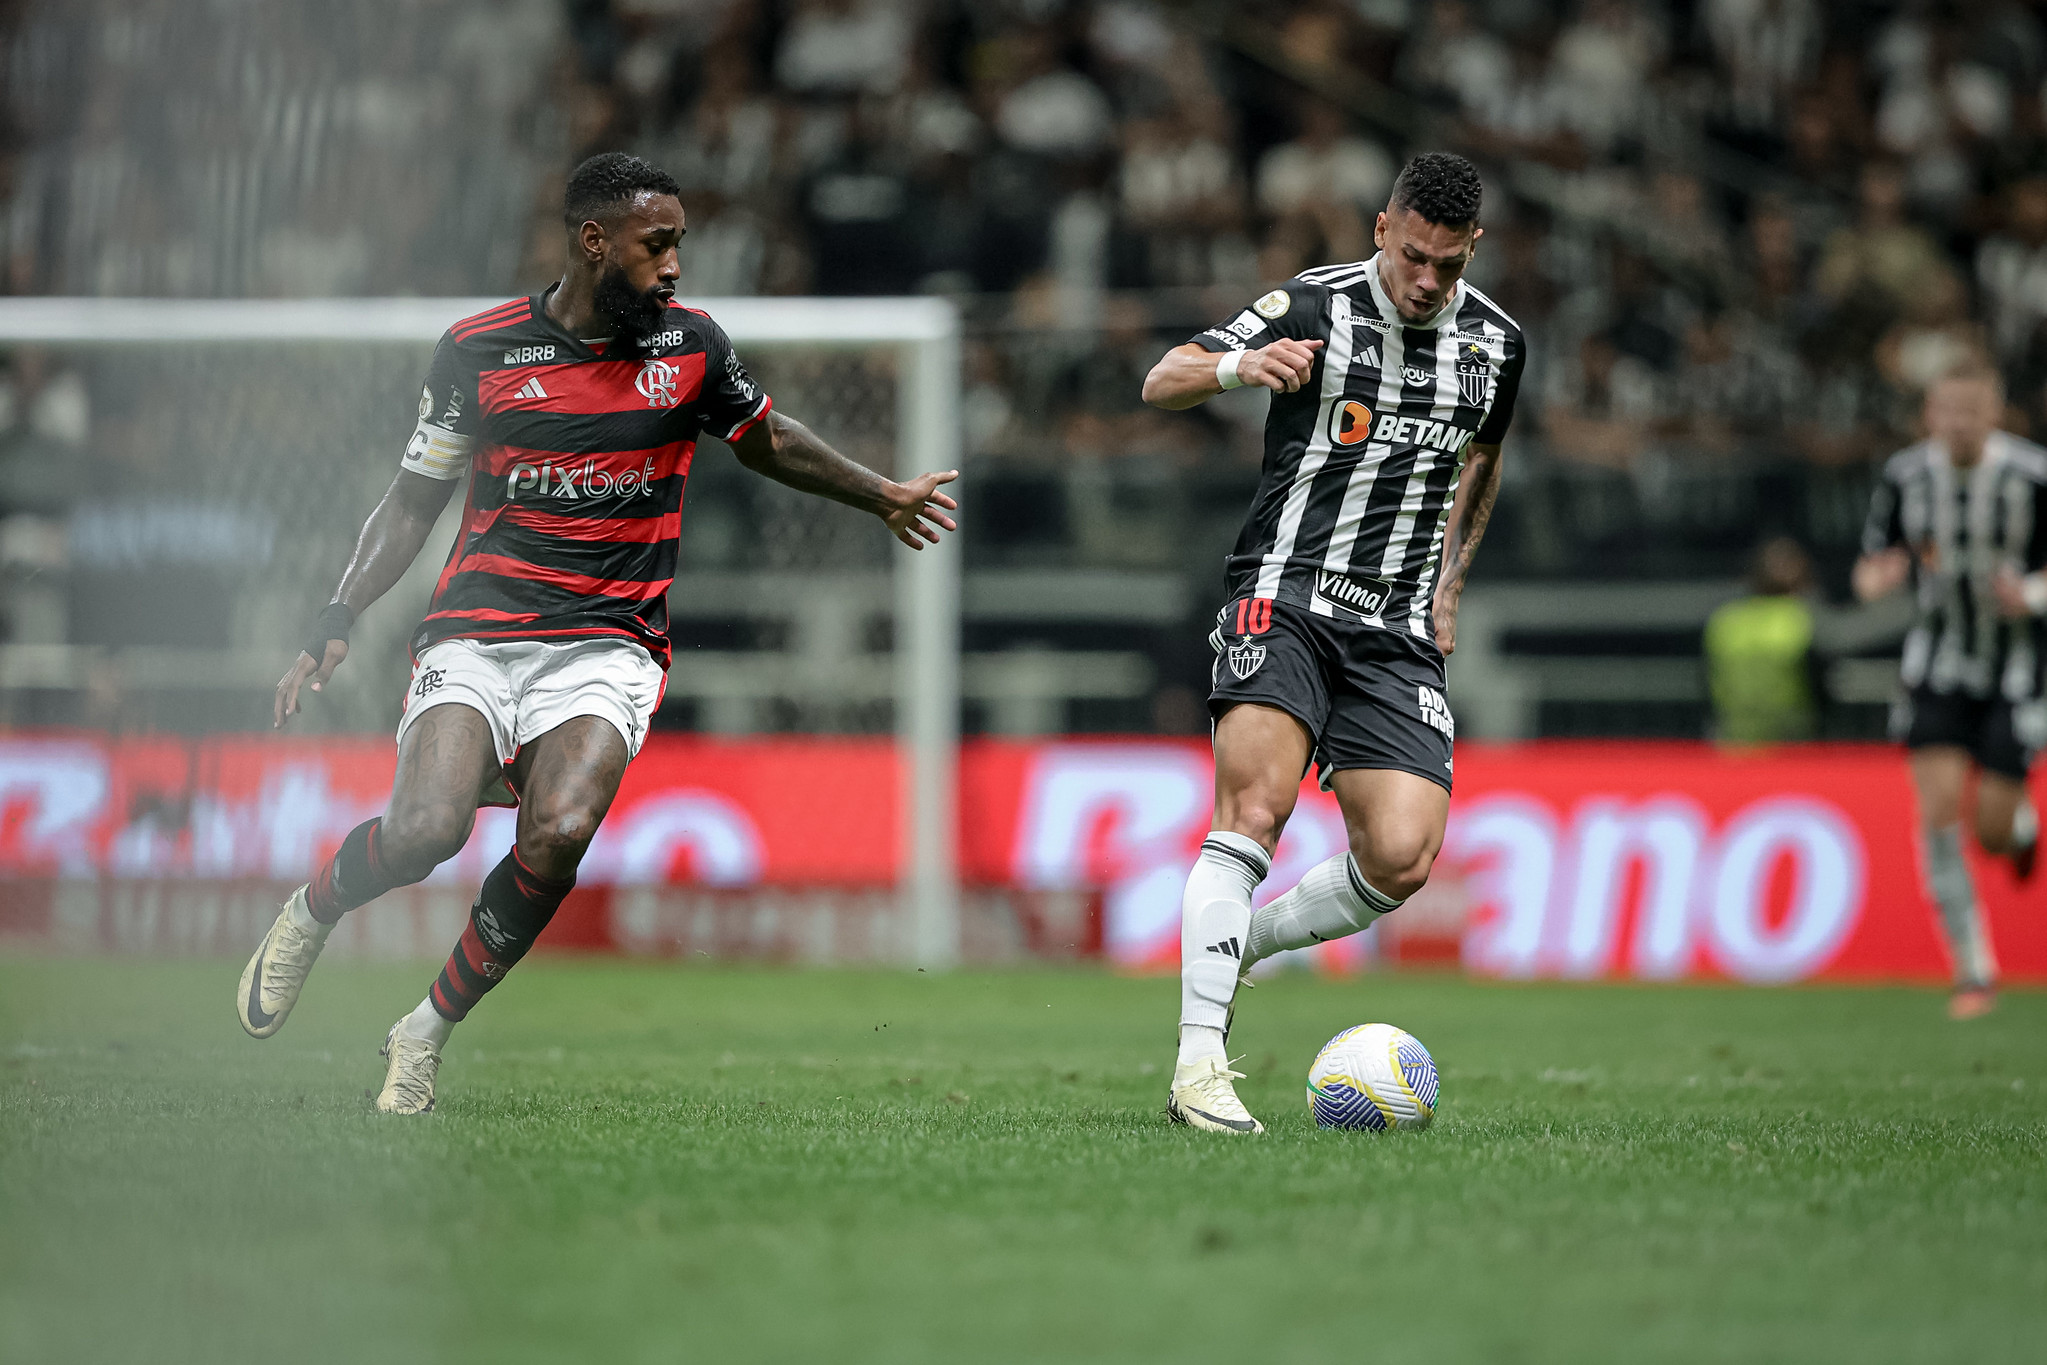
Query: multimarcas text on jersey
[1362, 463]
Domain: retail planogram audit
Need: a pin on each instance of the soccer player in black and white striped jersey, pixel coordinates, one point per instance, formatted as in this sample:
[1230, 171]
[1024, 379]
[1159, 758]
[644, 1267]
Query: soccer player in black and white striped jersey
[1960, 515]
[1392, 381]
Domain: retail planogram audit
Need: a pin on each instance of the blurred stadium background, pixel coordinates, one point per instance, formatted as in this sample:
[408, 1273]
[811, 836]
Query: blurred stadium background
[1741, 235]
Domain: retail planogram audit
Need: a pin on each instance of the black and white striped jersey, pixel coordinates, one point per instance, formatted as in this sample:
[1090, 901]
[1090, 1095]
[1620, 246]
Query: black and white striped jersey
[1961, 524]
[1362, 462]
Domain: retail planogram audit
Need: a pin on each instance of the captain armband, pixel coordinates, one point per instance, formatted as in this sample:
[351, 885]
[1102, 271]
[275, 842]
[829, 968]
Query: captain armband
[437, 452]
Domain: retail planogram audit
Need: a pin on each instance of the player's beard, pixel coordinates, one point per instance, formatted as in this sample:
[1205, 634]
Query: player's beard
[634, 316]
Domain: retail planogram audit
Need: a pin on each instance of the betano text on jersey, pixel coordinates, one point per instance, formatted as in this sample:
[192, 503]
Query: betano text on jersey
[1361, 464]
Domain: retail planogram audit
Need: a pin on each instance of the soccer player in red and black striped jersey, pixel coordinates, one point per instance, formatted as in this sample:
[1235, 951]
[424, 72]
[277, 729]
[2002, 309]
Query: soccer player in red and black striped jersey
[573, 415]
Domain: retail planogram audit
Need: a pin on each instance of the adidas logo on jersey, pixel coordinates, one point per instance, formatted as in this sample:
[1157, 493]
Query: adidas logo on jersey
[1369, 359]
[531, 389]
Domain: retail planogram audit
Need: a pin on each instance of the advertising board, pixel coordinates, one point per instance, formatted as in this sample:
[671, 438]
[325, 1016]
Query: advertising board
[1652, 861]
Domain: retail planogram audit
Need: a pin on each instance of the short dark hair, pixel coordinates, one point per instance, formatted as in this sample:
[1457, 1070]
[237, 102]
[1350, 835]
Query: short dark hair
[1442, 187]
[606, 182]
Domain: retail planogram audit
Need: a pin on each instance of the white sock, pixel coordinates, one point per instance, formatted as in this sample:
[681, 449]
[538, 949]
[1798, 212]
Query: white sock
[1215, 918]
[1198, 1041]
[1333, 901]
[428, 1025]
[1961, 919]
[2025, 826]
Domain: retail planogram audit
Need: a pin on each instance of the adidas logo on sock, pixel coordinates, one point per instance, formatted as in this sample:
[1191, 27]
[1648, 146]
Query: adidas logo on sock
[1228, 948]
[531, 389]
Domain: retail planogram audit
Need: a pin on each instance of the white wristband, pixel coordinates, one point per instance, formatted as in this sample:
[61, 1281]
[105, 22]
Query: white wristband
[2034, 587]
[1226, 370]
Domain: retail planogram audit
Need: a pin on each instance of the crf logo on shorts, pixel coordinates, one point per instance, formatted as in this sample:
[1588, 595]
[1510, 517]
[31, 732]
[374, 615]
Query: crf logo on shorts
[657, 383]
[429, 680]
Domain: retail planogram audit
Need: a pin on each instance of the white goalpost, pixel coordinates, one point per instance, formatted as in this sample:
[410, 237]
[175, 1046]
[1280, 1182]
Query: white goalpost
[922, 334]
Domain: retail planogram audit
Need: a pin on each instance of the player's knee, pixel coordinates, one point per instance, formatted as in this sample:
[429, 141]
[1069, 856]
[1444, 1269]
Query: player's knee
[1397, 862]
[415, 838]
[1258, 817]
[557, 837]
[1993, 834]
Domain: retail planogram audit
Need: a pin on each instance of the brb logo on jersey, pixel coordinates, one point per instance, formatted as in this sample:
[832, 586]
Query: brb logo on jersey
[573, 484]
[657, 383]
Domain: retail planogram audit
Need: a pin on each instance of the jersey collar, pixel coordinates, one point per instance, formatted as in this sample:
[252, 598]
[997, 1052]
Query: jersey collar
[546, 319]
[1388, 313]
[1996, 446]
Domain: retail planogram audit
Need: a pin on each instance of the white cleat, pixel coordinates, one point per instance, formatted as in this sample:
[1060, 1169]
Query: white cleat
[1202, 1097]
[409, 1078]
[277, 973]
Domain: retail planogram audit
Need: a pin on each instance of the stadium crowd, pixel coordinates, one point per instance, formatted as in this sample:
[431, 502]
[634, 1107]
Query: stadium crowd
[1741, 233]
[1728, 222]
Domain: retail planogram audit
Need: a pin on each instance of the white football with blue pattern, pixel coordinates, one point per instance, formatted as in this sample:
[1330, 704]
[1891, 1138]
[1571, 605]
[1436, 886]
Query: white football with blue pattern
[1373, 1077]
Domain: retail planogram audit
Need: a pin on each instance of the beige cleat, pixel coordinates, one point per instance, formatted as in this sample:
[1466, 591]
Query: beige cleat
[275, 975]
[1202, 1097]
[409, 1079]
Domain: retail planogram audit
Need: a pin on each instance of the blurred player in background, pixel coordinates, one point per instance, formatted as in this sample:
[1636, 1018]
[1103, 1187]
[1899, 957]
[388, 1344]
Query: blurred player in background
[1759, 651]
[1392, 385]
[1959, 516]
[574, 416]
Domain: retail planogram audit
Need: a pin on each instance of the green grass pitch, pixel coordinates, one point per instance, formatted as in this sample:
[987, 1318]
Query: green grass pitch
[646, 1163]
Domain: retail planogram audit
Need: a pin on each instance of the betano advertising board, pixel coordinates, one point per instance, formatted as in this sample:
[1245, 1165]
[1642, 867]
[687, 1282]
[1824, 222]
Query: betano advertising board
[1638, 860]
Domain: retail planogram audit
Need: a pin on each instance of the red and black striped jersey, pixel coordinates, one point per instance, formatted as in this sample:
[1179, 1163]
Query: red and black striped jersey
[576, 465]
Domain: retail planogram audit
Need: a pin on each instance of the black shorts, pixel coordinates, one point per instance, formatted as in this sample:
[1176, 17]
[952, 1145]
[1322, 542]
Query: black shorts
[2002, 736]
[1372, 698]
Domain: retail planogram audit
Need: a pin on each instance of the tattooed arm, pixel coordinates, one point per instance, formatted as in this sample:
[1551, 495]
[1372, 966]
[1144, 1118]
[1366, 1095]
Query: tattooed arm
[1473, 508]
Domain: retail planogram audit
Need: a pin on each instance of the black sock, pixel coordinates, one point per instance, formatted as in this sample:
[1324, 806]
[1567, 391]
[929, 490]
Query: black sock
[354, 876]
[514, 906]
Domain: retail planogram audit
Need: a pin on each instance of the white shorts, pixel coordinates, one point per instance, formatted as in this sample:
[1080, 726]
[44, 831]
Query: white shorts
[524, 688]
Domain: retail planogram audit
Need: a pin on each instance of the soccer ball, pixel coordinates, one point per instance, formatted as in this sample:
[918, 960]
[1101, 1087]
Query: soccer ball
[1374, 1076]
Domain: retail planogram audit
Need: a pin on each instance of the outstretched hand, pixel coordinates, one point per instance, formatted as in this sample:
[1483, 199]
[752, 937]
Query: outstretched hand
[1880, 574]
[913, 504]
[305, 671]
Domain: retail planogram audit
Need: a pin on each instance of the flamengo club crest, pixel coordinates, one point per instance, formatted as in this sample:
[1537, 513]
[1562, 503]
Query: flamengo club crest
[1245, 659]
[657, 383]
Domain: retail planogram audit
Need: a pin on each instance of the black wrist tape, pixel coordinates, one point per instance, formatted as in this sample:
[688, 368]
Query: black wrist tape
[333, 623]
